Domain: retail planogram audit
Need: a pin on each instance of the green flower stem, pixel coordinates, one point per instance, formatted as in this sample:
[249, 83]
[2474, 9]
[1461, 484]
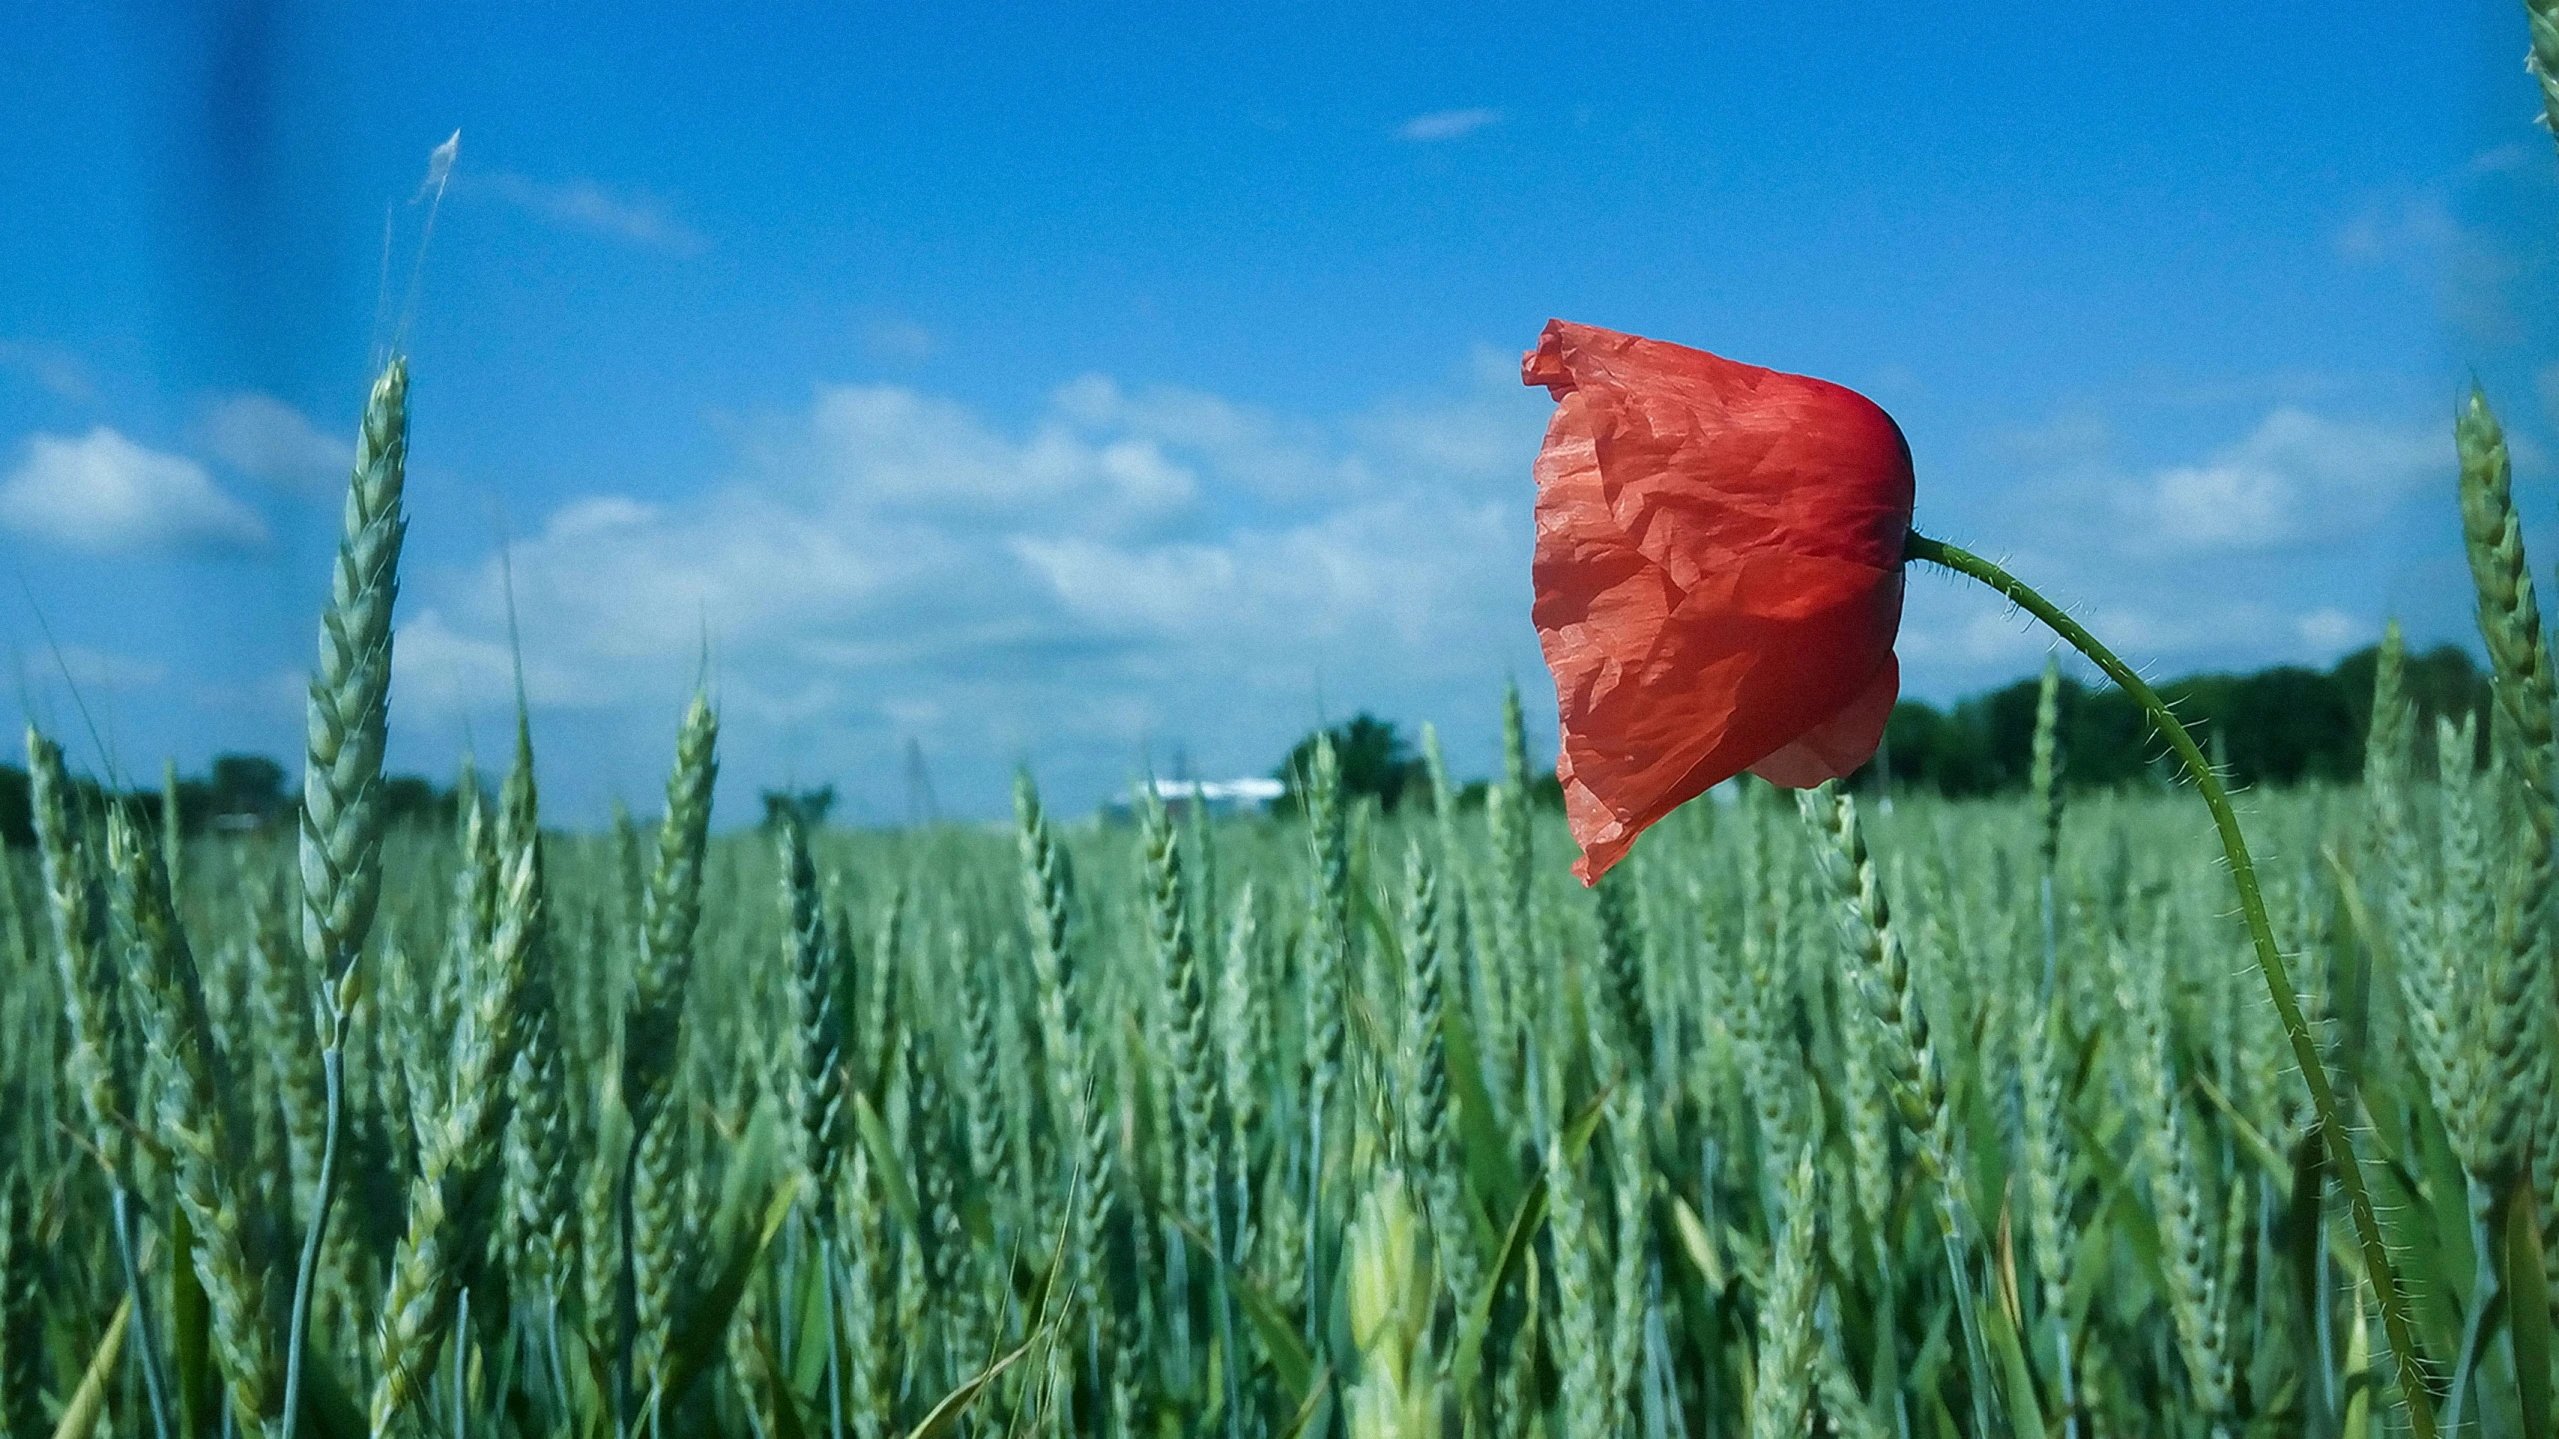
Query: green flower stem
[2270, 960]
[306, 1273]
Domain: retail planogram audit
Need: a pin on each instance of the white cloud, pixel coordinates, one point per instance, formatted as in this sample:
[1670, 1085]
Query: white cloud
[1133, 566]
[586, 205]
[444, 670]
[279, 697]
[262, 436]
[104, 494]
[1409, 569]
[2297, 476]
[1441, 125]
[891, 448]
[2285, 542]
[1254, 452]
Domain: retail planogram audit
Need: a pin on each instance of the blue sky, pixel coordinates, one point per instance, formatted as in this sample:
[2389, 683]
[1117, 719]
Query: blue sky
[1090, 386]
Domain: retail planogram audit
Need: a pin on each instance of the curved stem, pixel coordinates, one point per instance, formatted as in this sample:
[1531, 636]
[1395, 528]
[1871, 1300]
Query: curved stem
[2270, 960]
[154, 1386]
[306, 1271]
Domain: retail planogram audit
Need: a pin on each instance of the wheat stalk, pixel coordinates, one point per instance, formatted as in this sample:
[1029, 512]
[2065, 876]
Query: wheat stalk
[539, 1174]
[869, 1343]
[341, 861]
[1184, 1021]
[1585, 1394]
[1389, 1290]
[813, 1101]
[191, 1124]
[1786, 1367]
[95, 1066]
[1880, 973]
[673, 917]
[2444, 1015]
[1184, 1016]
[88, 973]
[461, 1146]
[1430, 1133]
[2527, 699]
[1084, 1134]
[347, 725]
[2177, 1200]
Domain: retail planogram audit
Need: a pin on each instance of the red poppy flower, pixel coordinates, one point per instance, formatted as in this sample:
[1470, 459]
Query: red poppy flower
[1718, 575]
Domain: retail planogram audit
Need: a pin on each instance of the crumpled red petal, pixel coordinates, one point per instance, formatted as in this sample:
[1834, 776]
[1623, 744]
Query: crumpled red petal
[1717, 574]
[1839, 746]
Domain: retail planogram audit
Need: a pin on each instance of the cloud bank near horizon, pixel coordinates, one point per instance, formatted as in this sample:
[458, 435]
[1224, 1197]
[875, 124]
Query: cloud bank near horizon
[1147, 576]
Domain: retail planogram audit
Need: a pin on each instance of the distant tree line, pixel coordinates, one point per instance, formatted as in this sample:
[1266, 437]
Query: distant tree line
[2276, 726]
[237, 794]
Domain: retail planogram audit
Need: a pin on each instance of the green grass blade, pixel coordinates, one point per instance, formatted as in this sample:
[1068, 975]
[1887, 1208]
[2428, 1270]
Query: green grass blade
[887, 1164]
[702, 1339]
[1315, 1411]
[191, 1333]
[944, 1417]
[80, 1416]
[2025, 1414]
[2527, 1288]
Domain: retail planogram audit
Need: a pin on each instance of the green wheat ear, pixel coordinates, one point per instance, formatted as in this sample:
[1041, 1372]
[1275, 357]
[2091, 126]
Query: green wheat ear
[341, 855]
[673, 916]
[1785, 1363]
[451, 1211]
[98, 1066]
[2527, 698]
[2043, 781]
[813, 1100]
[340, 848]
[2509, 611]
[196, 1118]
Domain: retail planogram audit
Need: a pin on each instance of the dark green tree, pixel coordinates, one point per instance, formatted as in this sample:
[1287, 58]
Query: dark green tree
[1377, 762]
[808, 806]
[241, 792]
